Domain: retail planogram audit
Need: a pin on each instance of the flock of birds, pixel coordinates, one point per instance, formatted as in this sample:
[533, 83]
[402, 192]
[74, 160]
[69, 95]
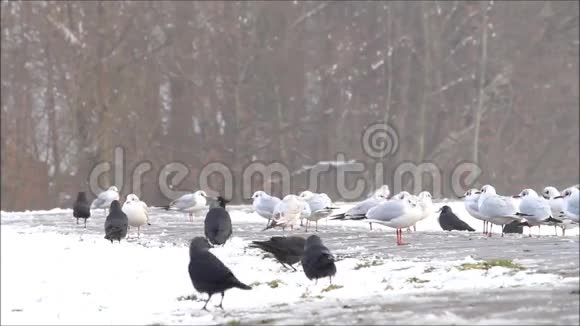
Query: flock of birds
[209, 275]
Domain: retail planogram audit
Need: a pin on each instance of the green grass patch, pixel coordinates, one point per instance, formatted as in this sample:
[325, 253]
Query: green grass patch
[486, 265]
[332, 287]
[191, 297]
[416, 280]
[234, 322]
[274, 283]
[366, 264]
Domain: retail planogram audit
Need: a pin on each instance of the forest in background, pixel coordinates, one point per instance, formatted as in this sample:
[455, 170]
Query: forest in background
[491, 82]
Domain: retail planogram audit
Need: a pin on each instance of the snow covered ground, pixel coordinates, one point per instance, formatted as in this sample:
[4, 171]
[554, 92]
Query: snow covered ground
[56, 272]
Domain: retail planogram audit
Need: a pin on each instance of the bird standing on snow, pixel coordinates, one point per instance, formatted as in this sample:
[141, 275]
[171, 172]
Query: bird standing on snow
[264, 204]
[218, 224]
[397, 214]
[497, 209]
[208, 274]
[570, 207]
[449, 221]
[189, 203]
[81, 208]
[136, 211]
[537, 209]
[317, 261]
[287, 212]
[287, 250]
[116, 223]
[320, 206]
[471, 203]
[358, 211]
[105, 198]
[426, 203]
[550, 194]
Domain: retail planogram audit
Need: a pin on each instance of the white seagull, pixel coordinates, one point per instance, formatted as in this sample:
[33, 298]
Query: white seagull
[287, 212]
[426, 203]
[320, 206]
[358, 211]
[571, 208]
[497, 209]
[264, 204]
[397, 214]
[536, 208]
[189, 203]
[471, 203]
[136, 211]
[105, 198]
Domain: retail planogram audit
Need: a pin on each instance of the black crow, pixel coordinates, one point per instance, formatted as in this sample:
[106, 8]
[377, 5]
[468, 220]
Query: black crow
[218, 224]
[287, 250]
[116, 223]
[317, 261]
[81, 207]
[208, 274]
[449, 221]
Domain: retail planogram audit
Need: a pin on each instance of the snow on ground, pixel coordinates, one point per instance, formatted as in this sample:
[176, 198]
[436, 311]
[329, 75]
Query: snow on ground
[56, 275]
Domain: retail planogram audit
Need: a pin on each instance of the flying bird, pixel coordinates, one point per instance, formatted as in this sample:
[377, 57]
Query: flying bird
[116, 223]
[208, 274]
[82, 208]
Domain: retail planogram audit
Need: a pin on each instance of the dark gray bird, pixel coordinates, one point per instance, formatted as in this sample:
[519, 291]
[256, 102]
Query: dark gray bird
[82, 208]
[287, 250]
[449, 221]
[208, 274]
[218, 224]
[513, 227]
[317, 261]
[116, 223]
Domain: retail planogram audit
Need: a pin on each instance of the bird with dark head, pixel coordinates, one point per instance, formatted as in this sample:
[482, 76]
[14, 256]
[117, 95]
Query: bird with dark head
[208, 274]
[82, 208]
[218, 224]
[116, 223]
[287, 250]
[317, 261]
[449, 221]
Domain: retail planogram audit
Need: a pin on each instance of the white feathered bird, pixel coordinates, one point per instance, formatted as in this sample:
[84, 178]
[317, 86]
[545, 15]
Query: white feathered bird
[137, 212]
[105, 198]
